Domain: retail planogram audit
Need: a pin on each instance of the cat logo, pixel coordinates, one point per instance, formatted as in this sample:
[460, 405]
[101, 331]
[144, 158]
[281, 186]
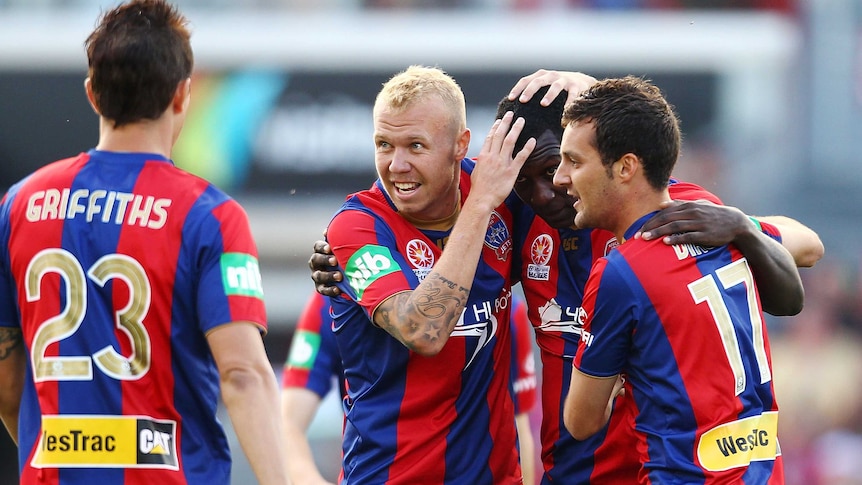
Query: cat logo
[154, 442]
[157, 443]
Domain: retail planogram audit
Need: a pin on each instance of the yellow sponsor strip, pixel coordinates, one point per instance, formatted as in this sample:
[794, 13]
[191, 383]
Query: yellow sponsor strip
[739, 443]
[87, 441]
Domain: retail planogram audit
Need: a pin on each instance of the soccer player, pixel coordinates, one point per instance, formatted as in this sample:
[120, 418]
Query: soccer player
[682, 323]
[313, 365]
[556, 258]
[130, 293]
[423, 320]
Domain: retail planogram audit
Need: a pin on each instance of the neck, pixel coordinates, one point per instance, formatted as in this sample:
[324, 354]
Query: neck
[150, 136]
[642, 204]
[442, 224]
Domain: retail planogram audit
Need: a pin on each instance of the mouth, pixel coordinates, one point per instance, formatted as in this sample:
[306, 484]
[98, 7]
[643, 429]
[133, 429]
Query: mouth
[405, 187]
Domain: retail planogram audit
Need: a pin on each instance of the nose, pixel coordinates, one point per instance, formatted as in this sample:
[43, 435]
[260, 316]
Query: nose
[399, 162]
[561, 178]
[541, 194]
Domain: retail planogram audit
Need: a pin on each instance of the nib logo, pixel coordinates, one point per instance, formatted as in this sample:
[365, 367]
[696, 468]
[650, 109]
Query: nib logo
[367, 265]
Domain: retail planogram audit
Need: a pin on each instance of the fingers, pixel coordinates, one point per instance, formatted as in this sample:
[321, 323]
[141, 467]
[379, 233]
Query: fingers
[557, 81]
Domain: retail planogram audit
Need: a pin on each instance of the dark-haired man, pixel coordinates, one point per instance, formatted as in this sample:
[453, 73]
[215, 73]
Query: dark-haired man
[681, 323]
[130, 293]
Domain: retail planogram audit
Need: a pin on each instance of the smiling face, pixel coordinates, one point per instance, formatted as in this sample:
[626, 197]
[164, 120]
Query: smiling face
[418, 152]
[535, 184]
[585, 178]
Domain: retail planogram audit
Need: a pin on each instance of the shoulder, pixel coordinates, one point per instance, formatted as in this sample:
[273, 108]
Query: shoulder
[680, 190]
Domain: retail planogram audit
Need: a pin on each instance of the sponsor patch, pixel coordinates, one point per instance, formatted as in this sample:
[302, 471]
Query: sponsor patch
[739, 443]
[92, 441]
[421, 257]
[540, 254]
[367, 265]
[303, 350]
[497, 237]
[240, 275]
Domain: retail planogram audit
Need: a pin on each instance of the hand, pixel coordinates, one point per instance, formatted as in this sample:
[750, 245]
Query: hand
[323, 272]
[574, 83]
[696, 222]
[496, 169]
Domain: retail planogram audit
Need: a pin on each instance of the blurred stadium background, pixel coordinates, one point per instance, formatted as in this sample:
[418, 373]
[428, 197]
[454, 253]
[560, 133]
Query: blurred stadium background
[769, 93]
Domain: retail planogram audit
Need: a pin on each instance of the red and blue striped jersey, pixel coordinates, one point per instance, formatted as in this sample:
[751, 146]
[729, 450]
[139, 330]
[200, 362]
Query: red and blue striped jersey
[115, 266]
[313, 361]
[411, 419]
[554, 266]
[523, 362]
[684, 324]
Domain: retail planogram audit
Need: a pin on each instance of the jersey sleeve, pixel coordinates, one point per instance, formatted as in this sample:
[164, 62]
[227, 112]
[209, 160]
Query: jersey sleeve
[689, 191]
[524, 364]
[606, 337]
[770, 230]
[365, 248]
[313, 361]
[230, 288]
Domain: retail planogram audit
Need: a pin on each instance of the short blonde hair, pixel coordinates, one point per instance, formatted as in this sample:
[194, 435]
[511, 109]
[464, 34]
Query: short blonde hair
[418, 83]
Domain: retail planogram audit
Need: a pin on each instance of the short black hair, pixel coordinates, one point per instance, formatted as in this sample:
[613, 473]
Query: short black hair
[537, 118]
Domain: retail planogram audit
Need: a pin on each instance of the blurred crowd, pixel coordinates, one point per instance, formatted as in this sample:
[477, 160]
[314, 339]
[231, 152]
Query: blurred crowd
[787, 6]
[818, 378]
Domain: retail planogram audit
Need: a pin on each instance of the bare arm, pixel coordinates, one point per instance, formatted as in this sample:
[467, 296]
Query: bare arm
[802, 242]
[250, 393]
[589, 403]
[708, 224]
[422, 319]
[12, 369]
[298, 407]
[528, 448]
[572, 82]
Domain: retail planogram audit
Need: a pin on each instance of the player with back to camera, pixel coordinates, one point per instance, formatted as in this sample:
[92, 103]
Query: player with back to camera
[130, 293]
[554, 283]
[681, 322]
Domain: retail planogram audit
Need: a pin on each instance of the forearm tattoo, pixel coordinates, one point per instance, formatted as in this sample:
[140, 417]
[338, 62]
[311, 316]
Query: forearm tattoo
[10, 340]
[431, 311]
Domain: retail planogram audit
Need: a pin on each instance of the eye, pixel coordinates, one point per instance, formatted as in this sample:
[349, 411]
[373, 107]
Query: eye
[521, 179]
[417, 146]
[550, 171]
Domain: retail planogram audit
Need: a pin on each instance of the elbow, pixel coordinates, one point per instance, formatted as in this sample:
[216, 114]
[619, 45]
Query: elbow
[789, 305]
[426, 348]
[244, 381]
[578, 427]
[809, 258]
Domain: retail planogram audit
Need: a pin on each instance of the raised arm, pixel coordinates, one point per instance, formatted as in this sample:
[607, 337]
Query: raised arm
[707, 224]
[422, 319]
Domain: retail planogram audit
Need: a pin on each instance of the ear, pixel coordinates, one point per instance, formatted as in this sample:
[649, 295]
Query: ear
[463, 144]
[88, 88]
[627, 167]
[182, 96]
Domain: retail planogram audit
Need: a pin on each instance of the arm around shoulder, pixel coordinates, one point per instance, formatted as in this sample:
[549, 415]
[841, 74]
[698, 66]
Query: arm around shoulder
[803, 243]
